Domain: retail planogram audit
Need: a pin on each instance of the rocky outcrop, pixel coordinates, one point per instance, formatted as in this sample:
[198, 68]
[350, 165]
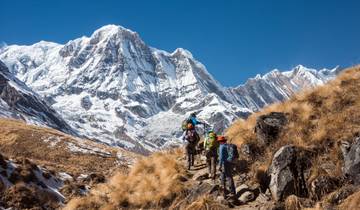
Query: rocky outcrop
[24, 185]
[287, 173]
[86, 102]
[351, 154]
[268, 127]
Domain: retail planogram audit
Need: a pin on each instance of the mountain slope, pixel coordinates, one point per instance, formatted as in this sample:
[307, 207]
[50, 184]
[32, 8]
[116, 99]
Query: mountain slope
[114, 88]
[278, 86]
[20, 102]
[44, 167]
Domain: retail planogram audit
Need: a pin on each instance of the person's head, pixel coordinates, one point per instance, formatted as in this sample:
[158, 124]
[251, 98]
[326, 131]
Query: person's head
[193, 114]
[190, 126]
[211, 133]
[221, 139]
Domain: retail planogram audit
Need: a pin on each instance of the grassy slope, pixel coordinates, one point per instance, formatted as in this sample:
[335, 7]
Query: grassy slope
[20, 140]
[318, 119]
[153, 182]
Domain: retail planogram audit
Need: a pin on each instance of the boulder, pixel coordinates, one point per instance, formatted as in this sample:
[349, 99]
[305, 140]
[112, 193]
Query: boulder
[351, 154]
[242, 188]
[287, 173]
[247, 197]
[268, 127]
[250, 150]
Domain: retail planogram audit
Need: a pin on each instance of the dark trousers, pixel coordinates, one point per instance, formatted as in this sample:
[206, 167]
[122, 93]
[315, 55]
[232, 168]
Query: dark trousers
[190, 152]
[227, 175]
[211, 159]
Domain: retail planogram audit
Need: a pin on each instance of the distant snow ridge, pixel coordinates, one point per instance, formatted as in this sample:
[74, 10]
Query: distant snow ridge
[278, 86]
[114, 88]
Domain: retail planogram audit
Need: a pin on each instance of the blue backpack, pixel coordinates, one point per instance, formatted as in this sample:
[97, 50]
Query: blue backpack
[233, 153]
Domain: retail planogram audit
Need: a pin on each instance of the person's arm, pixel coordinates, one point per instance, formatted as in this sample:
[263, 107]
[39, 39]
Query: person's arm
[196, 121]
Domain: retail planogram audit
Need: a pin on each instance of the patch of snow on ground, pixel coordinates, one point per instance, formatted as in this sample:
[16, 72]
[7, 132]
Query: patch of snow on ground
[52, 140]
[86, 149]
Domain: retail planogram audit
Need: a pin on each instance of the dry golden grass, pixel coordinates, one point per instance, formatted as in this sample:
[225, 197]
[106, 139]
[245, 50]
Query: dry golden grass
[153, 182]
[205, 203]
[317, 207]
[318, 119]
[18, 140]
[292, 203]
[351, 203]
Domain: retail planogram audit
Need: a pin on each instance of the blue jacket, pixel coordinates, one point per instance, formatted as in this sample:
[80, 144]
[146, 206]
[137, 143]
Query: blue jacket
[223, 154]
[195, 121]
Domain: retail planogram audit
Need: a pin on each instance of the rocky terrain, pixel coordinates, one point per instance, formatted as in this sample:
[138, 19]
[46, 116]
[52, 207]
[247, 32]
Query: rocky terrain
[42, 168]
[113, 88]
[300, 154]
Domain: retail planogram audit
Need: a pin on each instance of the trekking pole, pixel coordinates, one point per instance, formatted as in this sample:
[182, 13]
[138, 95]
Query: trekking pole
[204, 129]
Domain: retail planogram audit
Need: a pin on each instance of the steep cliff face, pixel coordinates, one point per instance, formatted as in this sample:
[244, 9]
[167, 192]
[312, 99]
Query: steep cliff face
[114, 88]
[18, 101]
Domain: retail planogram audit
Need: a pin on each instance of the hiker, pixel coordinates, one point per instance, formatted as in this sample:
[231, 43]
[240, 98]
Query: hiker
[211, 146]
[228, 154]
[195, 121]
[191, 138]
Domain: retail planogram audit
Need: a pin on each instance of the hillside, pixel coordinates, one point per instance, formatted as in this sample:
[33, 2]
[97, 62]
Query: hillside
[310, 162]
[32, 157]
[323, 125]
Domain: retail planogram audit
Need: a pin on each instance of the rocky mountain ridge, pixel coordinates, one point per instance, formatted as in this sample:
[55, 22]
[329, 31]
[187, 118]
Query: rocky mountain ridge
[113, 88]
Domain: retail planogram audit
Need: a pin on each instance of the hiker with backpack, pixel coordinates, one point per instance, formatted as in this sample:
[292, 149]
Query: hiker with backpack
[211, 146]
[228, 154]
[192, 119]
[192, 139]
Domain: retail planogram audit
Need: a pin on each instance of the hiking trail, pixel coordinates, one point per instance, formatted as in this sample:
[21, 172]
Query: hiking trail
[247, 198]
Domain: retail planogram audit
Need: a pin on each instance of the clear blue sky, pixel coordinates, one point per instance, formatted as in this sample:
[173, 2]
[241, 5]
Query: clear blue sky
[234, 39]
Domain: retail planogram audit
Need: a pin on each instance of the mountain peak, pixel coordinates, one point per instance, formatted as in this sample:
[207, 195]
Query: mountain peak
[109, 30]
[182, 52]
[112, 31]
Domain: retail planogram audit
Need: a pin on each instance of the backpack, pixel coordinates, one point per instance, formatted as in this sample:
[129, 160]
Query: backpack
[192, 136]
[233, 153]
[211, 142]
[185, 123]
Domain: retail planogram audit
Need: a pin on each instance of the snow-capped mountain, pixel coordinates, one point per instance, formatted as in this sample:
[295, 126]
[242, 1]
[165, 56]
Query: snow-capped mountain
[278, 86]
[20, 102]
[114, 88]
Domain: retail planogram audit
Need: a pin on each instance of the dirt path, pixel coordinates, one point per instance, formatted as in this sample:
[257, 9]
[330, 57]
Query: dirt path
[206, 186]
